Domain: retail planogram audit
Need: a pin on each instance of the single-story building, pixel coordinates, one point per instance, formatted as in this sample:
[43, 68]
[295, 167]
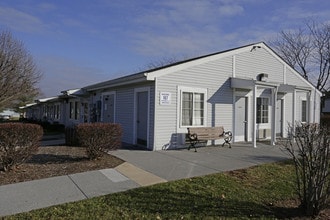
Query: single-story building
[248, 90]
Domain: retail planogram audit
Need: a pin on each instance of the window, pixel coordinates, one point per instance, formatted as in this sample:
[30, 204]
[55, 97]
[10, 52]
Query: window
[74, 110]
[193, 106]
[303, 111]
[57, 111]
[262, 110]
[71, 110]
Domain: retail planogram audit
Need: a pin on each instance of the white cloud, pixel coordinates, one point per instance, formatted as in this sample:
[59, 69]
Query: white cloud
[46, 7]
[190, 27]
[20, 21]
[230, 10]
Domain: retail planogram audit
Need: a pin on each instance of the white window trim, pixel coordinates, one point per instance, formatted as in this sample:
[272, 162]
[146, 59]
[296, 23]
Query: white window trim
[182, 89]
[76, 114]
[265, 125]
[307, 113]
[137, 90]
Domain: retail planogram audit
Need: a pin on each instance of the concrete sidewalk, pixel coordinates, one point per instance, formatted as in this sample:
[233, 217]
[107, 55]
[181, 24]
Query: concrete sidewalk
[142, 168]
[179, 164]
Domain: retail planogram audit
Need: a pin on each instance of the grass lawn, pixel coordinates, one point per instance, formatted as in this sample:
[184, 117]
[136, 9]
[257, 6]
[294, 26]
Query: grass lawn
[258, 192]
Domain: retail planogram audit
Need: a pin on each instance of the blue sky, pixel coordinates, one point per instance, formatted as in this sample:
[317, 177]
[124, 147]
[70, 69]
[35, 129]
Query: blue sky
[80, 42]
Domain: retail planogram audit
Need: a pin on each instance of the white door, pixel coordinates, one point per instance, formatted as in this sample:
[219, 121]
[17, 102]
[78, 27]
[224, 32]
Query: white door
[142, 119]
[109, 108]
[279, 118]
[241, 117]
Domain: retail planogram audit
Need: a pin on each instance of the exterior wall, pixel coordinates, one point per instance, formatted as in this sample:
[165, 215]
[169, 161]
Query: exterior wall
[212, 76]
[294, 79]
[251, 63]
[125, 102]
[64, 112]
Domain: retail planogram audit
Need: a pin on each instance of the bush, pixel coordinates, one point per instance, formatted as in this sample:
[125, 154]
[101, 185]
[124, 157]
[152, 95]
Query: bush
[99, 137]
[310, 151]
[17, 143]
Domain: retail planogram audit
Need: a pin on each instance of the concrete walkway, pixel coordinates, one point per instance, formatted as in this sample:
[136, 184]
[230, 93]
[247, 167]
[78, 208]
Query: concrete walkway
[142, 168]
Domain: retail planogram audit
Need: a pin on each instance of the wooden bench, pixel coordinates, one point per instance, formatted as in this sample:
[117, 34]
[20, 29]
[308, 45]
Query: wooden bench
[203, 134]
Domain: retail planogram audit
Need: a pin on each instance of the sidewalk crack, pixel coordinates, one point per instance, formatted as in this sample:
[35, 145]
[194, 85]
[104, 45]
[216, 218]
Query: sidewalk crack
[87, 197]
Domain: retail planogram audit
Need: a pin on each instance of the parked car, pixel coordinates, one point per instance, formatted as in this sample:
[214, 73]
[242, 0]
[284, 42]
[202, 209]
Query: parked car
[5, 117]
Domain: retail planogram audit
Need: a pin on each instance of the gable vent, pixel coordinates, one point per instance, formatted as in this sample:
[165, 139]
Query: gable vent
[262, 77]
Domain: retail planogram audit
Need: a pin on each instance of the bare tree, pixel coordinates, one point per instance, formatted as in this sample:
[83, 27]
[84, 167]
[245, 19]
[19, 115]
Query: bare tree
[308, 51]
[18, 72]
[321, 43]
[309, 148]
[162, 62]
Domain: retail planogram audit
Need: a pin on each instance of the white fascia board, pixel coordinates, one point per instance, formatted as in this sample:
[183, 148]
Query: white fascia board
[123, 83]
[47, 99]
[292, 69]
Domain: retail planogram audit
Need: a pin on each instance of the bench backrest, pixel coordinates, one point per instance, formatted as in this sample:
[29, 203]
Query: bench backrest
[207, 133]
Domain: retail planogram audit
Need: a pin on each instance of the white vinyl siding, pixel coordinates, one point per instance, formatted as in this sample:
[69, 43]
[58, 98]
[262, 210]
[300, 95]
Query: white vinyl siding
[124, 108]
[214, 76]
[295, 79]
[251, 63]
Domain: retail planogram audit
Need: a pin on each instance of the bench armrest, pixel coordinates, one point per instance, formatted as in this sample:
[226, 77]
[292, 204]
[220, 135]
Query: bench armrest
[192, 137]
[228, 136]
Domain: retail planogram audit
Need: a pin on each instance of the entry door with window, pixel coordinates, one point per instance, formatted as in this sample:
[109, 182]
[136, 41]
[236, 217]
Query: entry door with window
[241, 118]
[142, 118]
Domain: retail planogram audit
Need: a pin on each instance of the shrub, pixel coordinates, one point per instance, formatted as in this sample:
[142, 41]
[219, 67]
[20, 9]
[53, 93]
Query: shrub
[310, 151]
[99, 137]
[17, 143]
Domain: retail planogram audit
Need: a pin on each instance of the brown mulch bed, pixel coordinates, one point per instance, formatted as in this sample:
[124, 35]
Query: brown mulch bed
[56, 161]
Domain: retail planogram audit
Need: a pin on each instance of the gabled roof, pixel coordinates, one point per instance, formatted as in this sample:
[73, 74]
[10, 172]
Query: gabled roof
[152, 74]
[143, 75]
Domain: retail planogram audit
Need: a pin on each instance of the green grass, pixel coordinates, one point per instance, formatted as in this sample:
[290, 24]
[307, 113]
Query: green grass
[241, 194]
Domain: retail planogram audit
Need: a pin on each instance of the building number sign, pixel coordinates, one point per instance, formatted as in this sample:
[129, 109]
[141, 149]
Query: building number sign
[165, 98]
